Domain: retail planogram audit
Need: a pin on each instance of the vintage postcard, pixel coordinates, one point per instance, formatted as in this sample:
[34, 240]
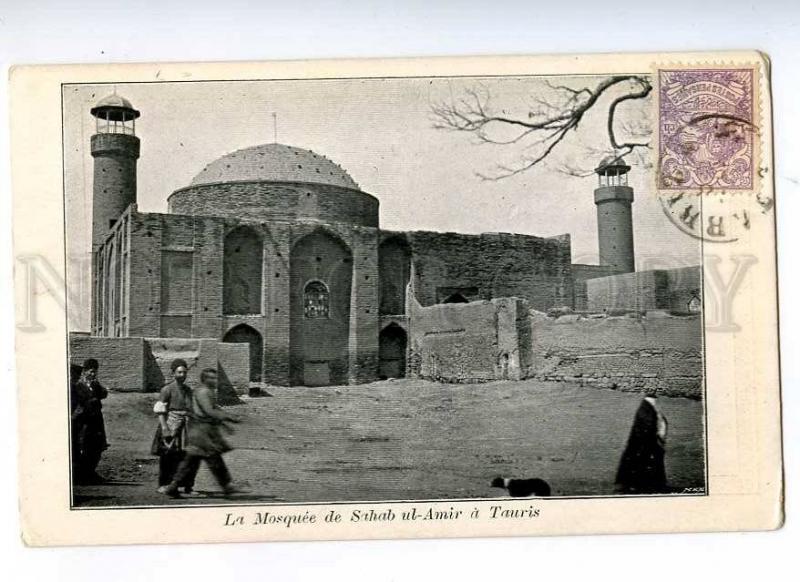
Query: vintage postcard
[492, 296]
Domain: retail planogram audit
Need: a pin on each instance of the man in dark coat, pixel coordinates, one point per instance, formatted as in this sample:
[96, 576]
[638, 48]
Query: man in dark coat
[91, 430]
[641, 469]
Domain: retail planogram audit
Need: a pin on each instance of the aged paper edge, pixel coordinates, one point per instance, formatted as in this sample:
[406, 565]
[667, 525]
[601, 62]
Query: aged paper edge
[39, 228]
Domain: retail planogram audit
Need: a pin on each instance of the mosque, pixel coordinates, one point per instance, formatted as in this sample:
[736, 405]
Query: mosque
[278, 248]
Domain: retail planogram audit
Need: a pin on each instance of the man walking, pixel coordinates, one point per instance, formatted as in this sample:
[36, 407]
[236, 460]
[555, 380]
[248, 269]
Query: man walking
[172, 408]
[205, 438]
[641, 469]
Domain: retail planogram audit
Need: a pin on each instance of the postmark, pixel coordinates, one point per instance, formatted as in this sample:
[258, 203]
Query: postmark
[715, 216]
[707, 130]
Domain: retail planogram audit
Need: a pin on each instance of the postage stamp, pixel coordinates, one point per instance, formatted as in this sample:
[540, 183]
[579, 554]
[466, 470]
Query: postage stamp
[707, 133]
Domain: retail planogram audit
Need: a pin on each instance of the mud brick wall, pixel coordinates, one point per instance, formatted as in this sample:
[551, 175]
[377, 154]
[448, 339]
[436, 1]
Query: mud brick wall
[636, 291]
[581, 274]
[234, 365]
[625, 353]
[466, 342]
[682, 286]
[122, 360]
[496, 265]
[670, 289]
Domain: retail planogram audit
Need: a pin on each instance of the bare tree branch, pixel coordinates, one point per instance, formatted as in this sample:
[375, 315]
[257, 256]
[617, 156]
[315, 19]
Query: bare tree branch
[544, 128]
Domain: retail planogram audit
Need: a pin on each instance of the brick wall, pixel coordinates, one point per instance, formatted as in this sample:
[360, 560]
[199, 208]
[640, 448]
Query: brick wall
[626, 353]
[466, 342]
[114, 181]
[199, 291]
[136, 364]
[268, 201]
[492, 265]
[615, 227]
[122, 360]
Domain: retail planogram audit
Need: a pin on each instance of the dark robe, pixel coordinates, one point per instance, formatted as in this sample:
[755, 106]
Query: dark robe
[88, 425]
[641, 469]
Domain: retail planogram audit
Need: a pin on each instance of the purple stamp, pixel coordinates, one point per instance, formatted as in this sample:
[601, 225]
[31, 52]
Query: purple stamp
[706, 130]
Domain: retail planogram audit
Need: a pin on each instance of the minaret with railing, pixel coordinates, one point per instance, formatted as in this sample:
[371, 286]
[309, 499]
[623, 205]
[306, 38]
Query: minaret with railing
[614, 198]
[115, 149]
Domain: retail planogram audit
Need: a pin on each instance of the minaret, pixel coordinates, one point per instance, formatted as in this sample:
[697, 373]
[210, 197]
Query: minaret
[115, 149]
[613, 198]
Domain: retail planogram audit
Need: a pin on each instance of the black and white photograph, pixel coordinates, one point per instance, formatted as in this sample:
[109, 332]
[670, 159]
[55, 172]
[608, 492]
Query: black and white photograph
[304, 291]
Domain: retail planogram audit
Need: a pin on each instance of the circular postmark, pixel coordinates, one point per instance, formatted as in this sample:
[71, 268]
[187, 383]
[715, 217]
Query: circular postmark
[714, 216]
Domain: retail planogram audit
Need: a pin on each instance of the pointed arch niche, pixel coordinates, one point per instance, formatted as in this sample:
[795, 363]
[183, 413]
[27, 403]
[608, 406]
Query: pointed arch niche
[242, 269]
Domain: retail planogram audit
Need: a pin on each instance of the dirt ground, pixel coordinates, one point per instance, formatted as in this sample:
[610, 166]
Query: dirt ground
[404, 439]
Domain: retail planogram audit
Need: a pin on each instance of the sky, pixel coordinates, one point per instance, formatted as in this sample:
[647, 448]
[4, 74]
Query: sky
[382, 132]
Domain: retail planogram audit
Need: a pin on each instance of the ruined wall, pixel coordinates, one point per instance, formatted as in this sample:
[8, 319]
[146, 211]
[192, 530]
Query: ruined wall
[467, 342]
[492, 265]
[635, 291]
[625, 353]
[669, 289]
[683, 285]
[581, 274]
[122, 360]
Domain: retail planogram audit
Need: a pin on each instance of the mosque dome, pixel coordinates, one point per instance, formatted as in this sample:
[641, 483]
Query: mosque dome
[275, 182]
[274, 162]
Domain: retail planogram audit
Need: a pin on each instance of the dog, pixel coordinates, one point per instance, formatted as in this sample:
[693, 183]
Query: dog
[523, 487]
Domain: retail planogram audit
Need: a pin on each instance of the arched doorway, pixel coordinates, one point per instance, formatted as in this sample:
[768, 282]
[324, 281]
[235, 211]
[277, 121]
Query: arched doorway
[244, 334]
[320, 279]
[242, 268]
[392, 352]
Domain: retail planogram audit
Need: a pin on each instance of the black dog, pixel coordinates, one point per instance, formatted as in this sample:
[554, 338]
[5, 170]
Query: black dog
[523, 487]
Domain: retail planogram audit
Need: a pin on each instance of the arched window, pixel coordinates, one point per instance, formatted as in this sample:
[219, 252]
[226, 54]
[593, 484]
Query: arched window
[316, 300]
[242, 272]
